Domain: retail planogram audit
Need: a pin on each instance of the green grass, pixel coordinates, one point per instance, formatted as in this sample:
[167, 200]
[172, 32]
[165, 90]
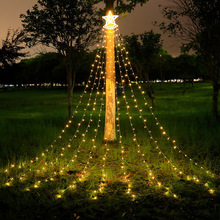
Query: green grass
[31, 119]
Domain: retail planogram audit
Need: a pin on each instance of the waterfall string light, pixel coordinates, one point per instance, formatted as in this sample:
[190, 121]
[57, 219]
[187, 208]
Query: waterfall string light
[103, 177]
[122, 60]
[91, 151]
[139, 110]
[61, 171]
[194, 178]
[151, 176]
[43, 155]
[103, 174]
[22, 165]
[173, 142]
[126, 176]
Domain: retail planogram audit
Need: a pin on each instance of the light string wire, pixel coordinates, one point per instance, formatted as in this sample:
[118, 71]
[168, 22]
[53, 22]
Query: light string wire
[194, 178]
[22, 175]
[91, 151]
[140, 110]
[103, 180]
[103, 177]
[91, 115]
[123, 167]
[61, 171]
[175, 147]
[150, 173]
[22, 165]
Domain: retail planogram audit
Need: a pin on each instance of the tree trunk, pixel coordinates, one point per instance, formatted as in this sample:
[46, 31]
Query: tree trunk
[150, 91]
[70, 100]
[71, 75]
[109, 5]
[110, 132]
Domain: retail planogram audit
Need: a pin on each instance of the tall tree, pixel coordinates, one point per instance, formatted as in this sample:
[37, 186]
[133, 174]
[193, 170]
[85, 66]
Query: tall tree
[11, 49]
[142, 49]
[68, 26]
[197, 23]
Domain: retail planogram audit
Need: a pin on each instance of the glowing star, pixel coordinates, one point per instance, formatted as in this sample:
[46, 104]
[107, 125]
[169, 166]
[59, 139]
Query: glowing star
[110, 21]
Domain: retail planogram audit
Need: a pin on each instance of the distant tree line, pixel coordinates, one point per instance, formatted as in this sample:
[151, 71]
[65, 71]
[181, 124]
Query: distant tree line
[197, 24]
[50, 68]
[44, 68]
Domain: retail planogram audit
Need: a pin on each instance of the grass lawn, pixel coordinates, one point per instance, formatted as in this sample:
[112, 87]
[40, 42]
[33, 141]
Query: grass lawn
[52, 168]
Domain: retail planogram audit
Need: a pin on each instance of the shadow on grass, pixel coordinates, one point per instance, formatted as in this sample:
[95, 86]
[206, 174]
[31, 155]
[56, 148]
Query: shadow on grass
[42, 203]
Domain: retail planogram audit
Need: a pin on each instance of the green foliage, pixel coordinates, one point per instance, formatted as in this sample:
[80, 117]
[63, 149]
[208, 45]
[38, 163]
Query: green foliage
[142, 49]
[66, 25]
[197, 23]
[11, 48]
[45, 68]
[121, 6]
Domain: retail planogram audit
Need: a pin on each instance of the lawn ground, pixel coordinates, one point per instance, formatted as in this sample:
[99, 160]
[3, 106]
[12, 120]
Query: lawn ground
[141, 176]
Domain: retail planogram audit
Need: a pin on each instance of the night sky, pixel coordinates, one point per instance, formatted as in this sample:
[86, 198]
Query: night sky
[137, 22]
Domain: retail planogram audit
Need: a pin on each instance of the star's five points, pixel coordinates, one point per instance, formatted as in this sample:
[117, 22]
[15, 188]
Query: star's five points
[110, 21]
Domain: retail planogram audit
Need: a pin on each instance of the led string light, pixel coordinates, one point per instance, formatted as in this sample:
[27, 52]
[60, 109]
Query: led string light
[79, 124]
[91, 150]
[68, 145]
[164, 133]
[61, 171]
[144, 120]
[88, 104]
[90, 119]
[194, 178]
[73, 185]
[150, 173]
[139, 110]
[91, 115]
[22, 165]
[103, 178]
[95, 136]
[128, 182]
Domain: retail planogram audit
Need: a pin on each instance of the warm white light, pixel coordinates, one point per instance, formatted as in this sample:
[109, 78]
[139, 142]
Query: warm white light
[110, 21]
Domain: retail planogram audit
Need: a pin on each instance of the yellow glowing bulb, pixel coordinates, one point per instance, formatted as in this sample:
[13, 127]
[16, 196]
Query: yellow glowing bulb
[211, 191]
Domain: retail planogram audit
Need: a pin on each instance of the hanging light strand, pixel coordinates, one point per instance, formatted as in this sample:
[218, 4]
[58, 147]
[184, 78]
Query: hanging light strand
[98, 123]
[61, 171]
[194, 178]
[23, 164]
[91, 151]
[151, 176]
[123, 167]
[43, 155]
[173, 142]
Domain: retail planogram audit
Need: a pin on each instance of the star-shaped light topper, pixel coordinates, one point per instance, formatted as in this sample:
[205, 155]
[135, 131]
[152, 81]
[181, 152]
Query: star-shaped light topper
[110, 21]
